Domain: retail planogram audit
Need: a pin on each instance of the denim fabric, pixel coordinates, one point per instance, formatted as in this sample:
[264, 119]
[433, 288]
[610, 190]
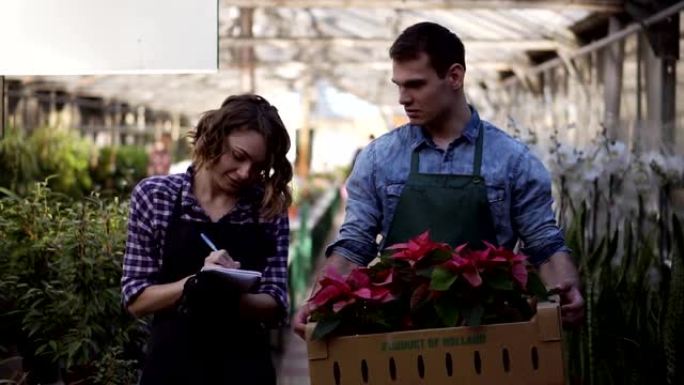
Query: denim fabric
[518, 189]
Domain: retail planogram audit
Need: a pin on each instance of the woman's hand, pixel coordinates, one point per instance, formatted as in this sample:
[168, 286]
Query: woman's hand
[221, 258]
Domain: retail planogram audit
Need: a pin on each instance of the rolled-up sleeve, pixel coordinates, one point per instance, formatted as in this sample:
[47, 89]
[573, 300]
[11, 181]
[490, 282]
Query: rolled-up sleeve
[531, 210]
[141, 259]
[356, 240]
[274, 279]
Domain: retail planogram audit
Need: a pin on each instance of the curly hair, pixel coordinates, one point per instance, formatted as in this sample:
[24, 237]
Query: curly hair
[251, 112]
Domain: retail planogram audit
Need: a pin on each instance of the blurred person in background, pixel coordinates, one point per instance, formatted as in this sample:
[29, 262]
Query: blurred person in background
[159, 157]
[450, 172]
[236, 193]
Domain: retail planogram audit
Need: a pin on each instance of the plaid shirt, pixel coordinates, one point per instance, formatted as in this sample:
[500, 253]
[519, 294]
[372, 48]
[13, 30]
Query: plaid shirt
[152, 203]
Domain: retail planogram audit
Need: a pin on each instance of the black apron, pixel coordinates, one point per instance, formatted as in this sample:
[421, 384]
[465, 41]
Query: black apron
[454, 208]
[214, 347]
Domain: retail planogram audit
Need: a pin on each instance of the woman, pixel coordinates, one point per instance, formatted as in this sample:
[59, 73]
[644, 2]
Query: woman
[236, 193]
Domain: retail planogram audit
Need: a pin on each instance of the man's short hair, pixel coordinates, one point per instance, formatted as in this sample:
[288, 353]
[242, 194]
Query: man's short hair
[442, 46]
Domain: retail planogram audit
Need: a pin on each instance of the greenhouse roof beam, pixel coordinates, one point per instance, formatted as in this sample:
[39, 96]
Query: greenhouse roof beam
[508, 44]
[589, 5]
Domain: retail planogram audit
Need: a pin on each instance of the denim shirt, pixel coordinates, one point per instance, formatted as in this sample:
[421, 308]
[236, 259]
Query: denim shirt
[518, 189]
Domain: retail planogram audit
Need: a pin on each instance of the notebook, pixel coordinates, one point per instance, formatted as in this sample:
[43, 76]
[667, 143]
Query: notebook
[242, 279]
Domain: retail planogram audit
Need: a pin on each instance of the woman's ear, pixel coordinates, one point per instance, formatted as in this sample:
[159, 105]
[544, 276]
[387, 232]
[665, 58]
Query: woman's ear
[455, 76]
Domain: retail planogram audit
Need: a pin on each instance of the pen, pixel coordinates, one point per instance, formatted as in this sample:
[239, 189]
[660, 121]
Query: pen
[208, 242]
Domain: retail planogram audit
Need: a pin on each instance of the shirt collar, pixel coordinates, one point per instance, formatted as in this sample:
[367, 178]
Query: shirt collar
[470, 132]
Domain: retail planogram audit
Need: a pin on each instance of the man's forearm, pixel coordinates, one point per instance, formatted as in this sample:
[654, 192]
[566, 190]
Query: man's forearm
[559, 269]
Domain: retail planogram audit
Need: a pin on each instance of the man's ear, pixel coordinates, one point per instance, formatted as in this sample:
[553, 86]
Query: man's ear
[455, 76]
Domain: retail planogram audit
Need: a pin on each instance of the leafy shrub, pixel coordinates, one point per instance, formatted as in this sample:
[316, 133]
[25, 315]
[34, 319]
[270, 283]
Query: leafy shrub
[18, 164]
[72, 165]
[66, 156]
[59, 284]
[119, 169]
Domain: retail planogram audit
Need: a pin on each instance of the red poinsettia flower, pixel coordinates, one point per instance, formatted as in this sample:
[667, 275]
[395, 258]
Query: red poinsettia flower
[466, 265]
[417, 248]
[333, 288]
[384, 277]
[341, 292]
[431, 270]
[486, 258]
[469, 262]
[360, 282]
[516, 261]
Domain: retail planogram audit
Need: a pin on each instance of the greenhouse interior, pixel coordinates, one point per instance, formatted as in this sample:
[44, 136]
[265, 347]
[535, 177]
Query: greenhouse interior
[592, 90]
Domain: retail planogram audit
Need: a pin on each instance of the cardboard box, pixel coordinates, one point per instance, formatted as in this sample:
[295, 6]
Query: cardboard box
[516, 353]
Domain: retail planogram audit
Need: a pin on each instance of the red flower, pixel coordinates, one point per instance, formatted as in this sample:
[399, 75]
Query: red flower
[486, 258]
[466, 265]
[333, 288]
[517, 263]
[417, 248]
[341, 292]
[360, 281]
[384, 277]
[431, 270]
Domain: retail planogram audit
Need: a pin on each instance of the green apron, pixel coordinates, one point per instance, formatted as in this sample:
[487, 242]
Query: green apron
[454, 208]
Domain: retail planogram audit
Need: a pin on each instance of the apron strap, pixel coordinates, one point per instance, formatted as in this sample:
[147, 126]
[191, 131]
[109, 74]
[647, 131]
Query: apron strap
[173, 223]
[477, 162]
[175, 212]
[414, 161]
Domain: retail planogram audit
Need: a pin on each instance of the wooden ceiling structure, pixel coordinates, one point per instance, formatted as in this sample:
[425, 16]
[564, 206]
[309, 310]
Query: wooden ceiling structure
[287, 44]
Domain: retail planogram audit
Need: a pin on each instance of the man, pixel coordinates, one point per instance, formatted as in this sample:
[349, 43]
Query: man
[450, 172]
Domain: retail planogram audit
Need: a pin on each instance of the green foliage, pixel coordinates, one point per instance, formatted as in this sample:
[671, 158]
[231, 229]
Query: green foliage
[181, 150]
[64, 156]
[629, 336]
[114, 369]
[442, 279]
[673, 336]
[119, 169]
[17, 162]
[71, 165]
[59, 283]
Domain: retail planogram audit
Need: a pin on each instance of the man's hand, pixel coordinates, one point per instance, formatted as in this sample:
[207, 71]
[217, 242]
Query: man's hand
[559, 273]
[572, 304]
[300, 319]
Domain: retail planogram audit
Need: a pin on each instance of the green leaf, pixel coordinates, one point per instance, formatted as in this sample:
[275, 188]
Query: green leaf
[442, 279]
[325, 327]
[499, 280]
[9, 193]
[447, 311]
[594, 259]
[536, 287]
[426, 272]
[437, 256]
[473, 315]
